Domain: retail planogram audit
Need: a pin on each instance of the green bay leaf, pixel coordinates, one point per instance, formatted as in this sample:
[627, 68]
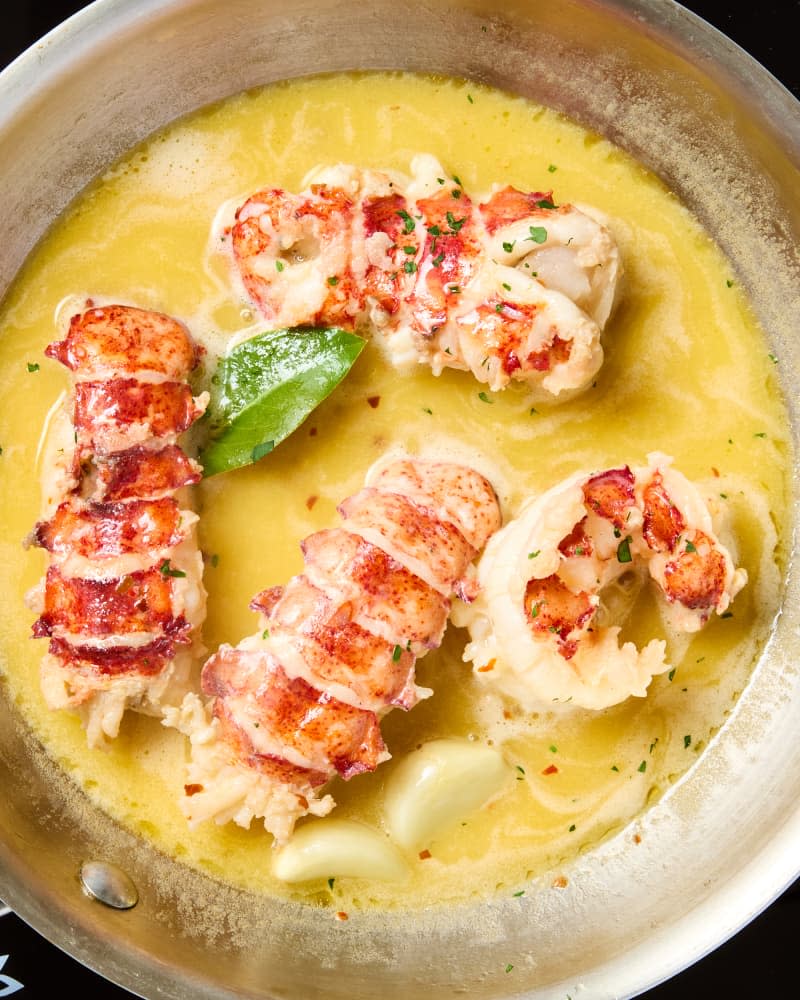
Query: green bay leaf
[265, 387]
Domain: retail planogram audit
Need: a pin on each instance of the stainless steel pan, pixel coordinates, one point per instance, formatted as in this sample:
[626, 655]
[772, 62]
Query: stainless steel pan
[721, 132]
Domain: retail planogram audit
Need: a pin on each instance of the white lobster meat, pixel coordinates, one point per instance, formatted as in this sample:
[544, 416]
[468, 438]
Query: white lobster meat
[539, 627]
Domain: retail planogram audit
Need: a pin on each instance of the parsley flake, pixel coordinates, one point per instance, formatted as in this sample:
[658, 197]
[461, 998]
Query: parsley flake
[279, 265]
[686, 741]
[773, 358]
[409, 267]
[484, 397]
[454, 223]
[624, 550]
[509, 967]
[437, 260]
[545, 203]
[409, 250]
[691, 547]
[643, 766]
[508, 247]
[469, 98]
[33, 366]
[538, 234]
[397, 653]
[533, 555]
[166, 570]
[409, 222]
[330, 882]
[506, 286]
[435, 230]
[333, 280]
[552, 168]
[671, 674]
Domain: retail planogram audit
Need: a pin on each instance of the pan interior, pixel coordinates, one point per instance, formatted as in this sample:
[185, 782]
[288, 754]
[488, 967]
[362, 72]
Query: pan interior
[689, 124]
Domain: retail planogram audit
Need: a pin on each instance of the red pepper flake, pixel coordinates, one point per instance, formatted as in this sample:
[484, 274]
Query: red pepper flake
[424, 855]
[312, 432]
[551, 769]
[507, 714]
[311, 501]
[341, 915]
[373, 401]
[560, 882]
[637, 839]
[192, 789]
[487, 667]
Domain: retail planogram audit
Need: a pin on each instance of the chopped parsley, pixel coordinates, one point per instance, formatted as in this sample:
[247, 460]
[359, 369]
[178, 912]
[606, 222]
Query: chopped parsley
[484, 397]
[729, 283]
[435, 230]
[397, 653]
[572, 828]
[691, 547]
[624, 550]
[454, 223]
[553, 748]
[333, 280]
[686, 741]
[215, 561]
[509, 967]
[538, 234]
[773, 358]
[167, 570]
[409, 222]
[409, 250]
[469, 98]
[437, 260]
[643, 766]
[552, 168]
[671, 674]
[33, 366]
[533, 555]
[727, 614]
[409, 267]
[265, 634]
[508, 247]
[506, 286]
[545, 203]
[760, 434]
[330, 882]
[279, 265]
[615, 768]
[520, 893]
[427, 409]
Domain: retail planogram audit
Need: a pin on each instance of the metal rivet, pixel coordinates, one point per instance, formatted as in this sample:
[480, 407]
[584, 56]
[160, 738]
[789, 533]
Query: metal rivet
[108, 884]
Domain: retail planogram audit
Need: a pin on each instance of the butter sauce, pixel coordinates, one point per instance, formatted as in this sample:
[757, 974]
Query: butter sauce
[687, 371]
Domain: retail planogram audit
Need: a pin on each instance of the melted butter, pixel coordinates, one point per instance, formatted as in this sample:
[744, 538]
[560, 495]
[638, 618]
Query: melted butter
[687, 372]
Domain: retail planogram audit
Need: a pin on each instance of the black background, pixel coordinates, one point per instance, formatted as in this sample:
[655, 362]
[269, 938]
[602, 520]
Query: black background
[761, 960]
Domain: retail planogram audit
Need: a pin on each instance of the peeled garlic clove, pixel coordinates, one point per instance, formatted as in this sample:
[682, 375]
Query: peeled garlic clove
[439, 785]
[330, 847]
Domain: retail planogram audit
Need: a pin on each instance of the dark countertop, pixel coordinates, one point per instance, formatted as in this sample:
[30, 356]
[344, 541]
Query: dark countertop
[757, 962]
